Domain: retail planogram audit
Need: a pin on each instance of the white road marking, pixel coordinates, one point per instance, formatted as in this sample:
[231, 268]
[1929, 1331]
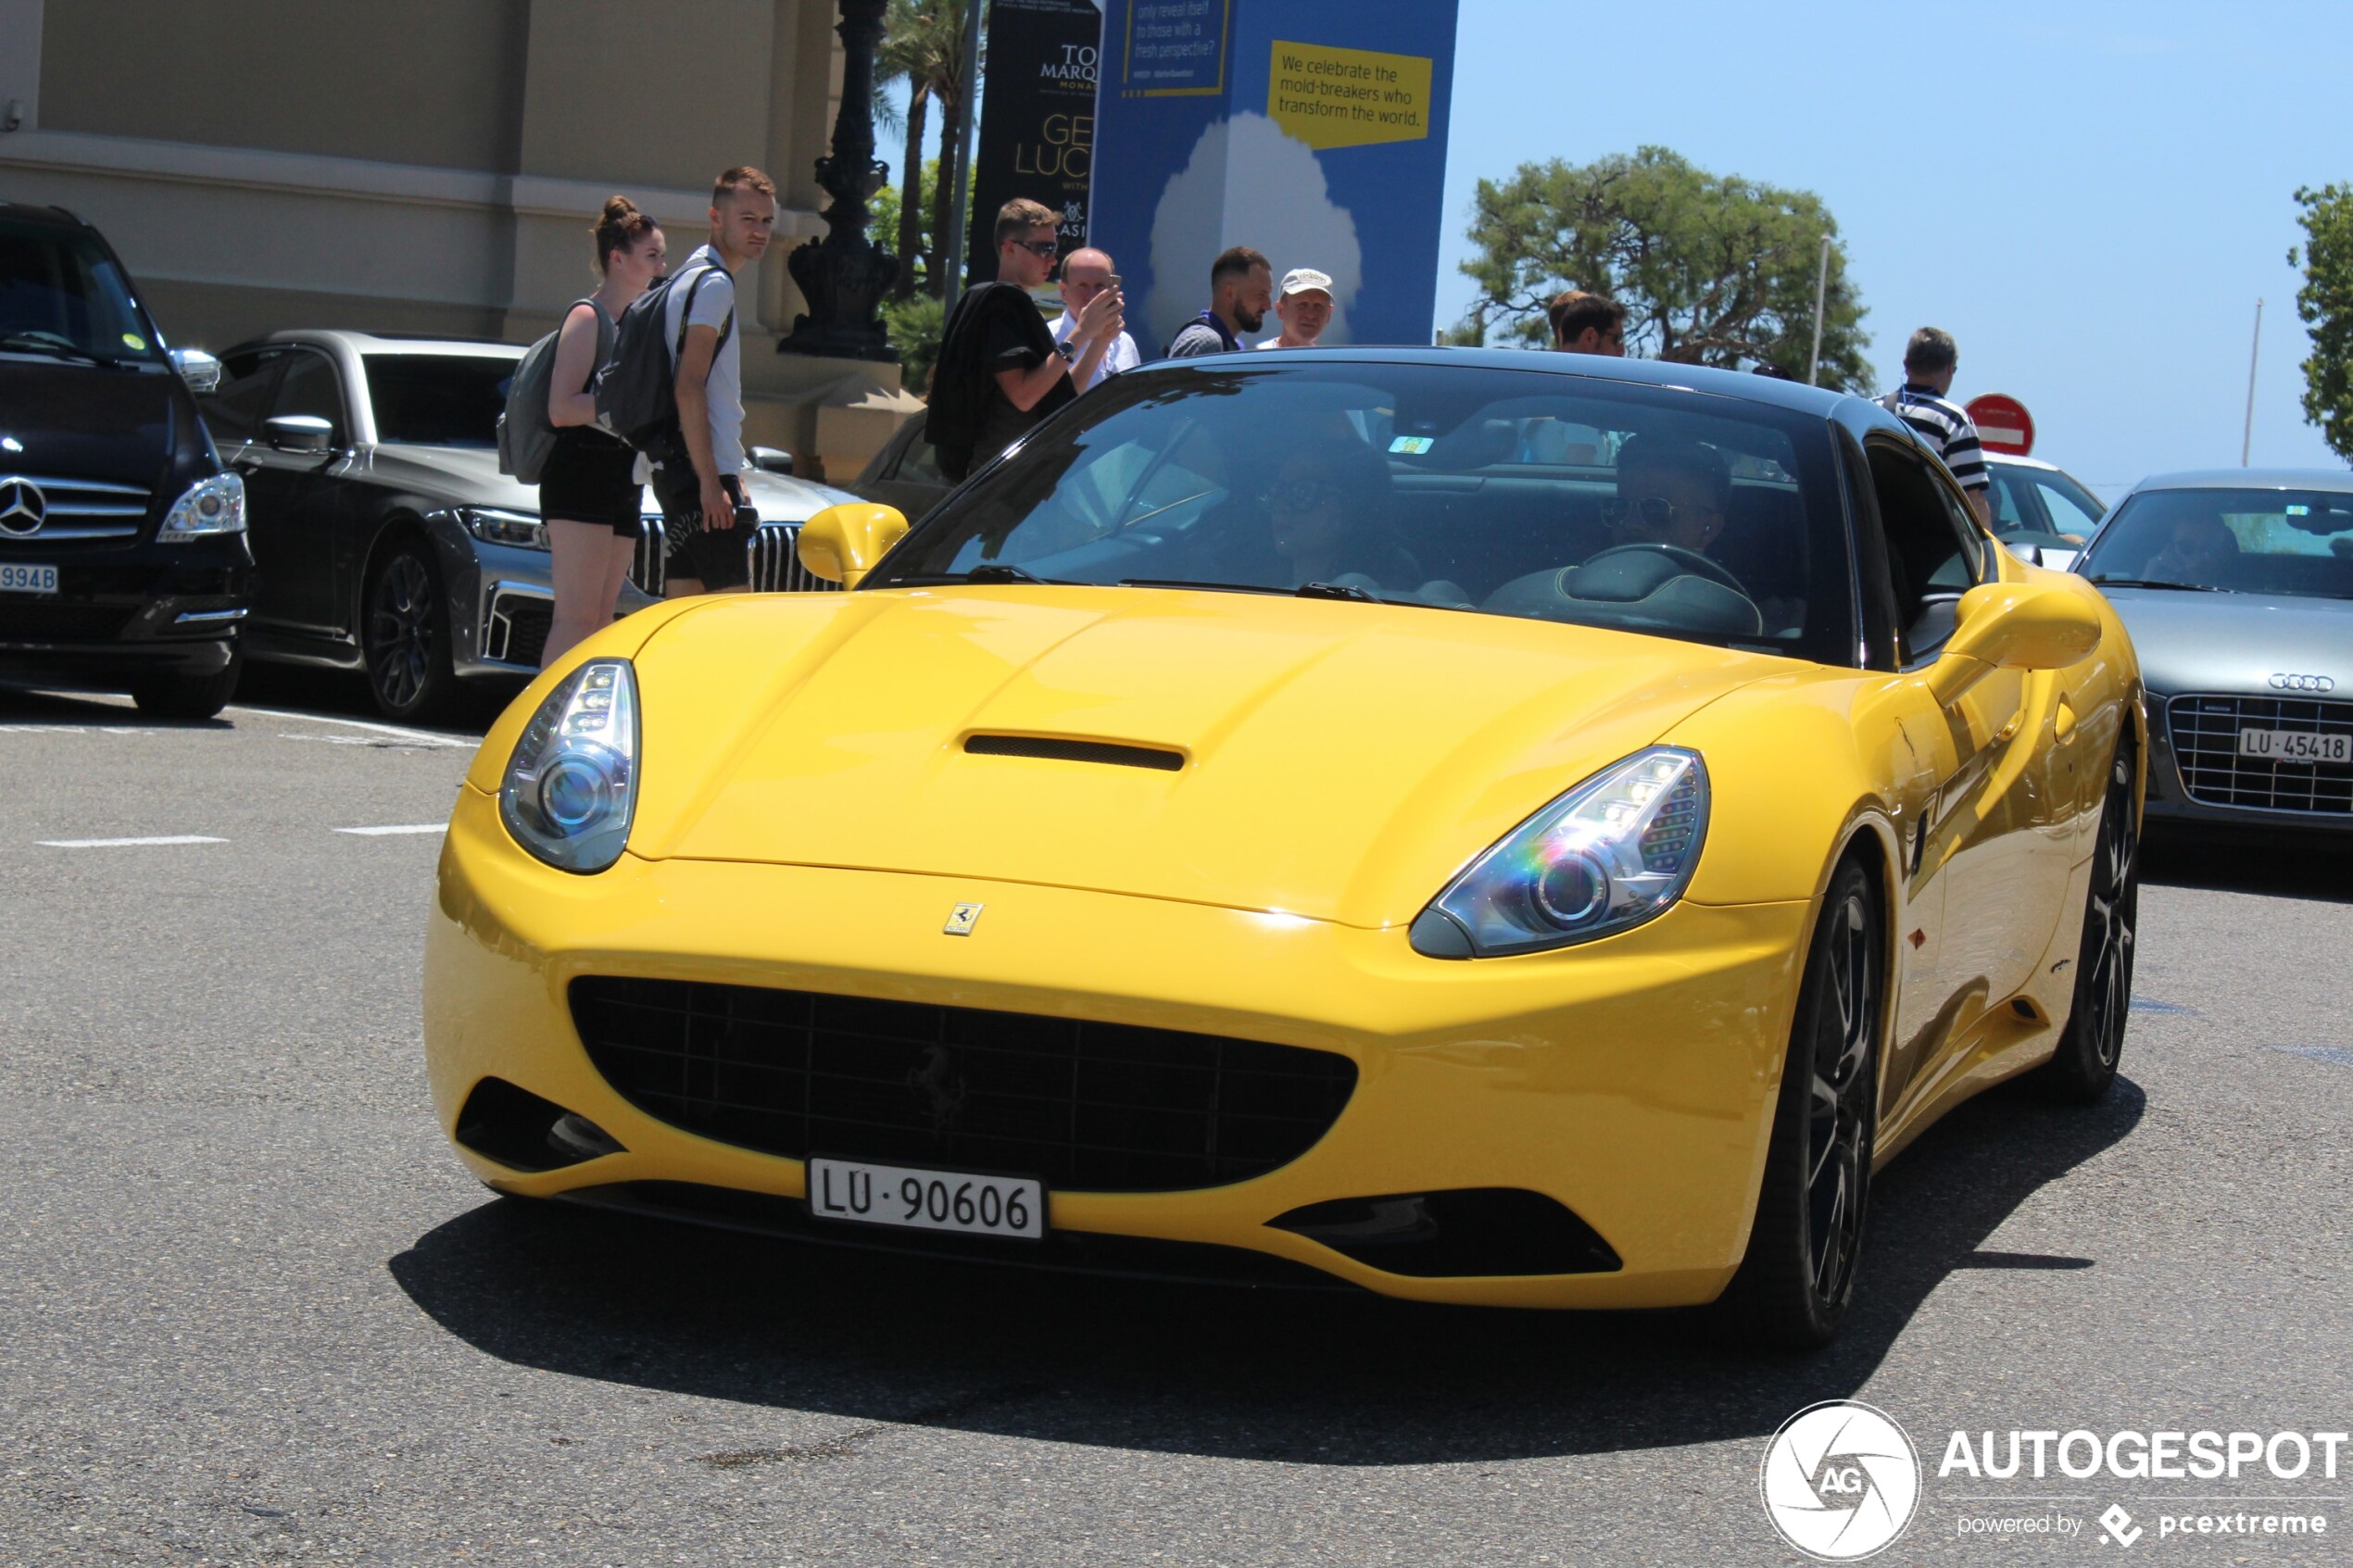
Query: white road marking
[407, 827]
[421, 737]
[40, 728]
[125, 843]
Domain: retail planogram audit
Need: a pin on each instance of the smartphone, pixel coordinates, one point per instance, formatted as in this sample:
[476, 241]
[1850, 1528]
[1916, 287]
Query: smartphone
[1113, 285]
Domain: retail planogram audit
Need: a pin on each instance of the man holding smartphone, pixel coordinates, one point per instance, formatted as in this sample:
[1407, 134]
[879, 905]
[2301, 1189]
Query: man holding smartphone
[700, 486]
[1086, 274]
[999, 371]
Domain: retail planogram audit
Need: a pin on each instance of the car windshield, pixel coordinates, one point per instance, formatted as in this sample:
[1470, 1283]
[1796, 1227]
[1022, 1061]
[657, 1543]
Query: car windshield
[438, 399]
[2293, 542]
[1462, 487]
[2036, 500]
[60, 298]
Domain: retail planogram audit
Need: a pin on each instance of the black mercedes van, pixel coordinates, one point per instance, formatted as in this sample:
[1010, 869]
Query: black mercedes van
[123, 560]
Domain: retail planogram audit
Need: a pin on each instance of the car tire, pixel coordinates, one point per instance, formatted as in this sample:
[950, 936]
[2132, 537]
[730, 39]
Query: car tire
[2084, 1065]
[189, 697]
[1797, 1279]
[405, 637]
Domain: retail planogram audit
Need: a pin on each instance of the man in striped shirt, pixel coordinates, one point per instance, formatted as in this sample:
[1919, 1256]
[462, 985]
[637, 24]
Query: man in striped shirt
[1930, 360]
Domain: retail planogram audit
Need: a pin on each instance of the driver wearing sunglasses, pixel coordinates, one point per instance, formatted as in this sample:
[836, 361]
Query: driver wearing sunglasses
[1671, 491]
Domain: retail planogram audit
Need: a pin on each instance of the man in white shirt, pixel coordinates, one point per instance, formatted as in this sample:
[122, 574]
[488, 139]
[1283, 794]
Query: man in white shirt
[699, 485]
[1087, 273]
[1305, 307]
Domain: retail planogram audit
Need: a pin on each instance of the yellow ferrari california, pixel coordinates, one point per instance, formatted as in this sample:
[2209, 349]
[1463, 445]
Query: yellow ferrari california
[1480, 827]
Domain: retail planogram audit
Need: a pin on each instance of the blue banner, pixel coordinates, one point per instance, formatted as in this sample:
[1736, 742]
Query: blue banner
[1313, 131]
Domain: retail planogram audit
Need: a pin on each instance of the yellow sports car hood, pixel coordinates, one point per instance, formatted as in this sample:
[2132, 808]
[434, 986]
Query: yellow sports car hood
[1335, 761]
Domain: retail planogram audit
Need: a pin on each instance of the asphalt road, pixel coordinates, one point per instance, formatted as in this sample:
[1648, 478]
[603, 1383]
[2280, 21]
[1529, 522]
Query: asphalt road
[252, 1312]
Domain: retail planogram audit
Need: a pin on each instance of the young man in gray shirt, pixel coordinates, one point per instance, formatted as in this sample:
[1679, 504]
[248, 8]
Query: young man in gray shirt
[700, 485]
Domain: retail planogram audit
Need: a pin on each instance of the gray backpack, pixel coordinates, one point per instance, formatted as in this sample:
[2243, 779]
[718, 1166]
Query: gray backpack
[525, 438]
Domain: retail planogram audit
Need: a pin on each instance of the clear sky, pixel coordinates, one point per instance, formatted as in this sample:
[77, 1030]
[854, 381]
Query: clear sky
[2090, 195]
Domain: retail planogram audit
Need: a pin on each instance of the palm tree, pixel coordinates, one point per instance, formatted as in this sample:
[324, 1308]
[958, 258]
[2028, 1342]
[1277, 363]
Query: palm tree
[924, 45]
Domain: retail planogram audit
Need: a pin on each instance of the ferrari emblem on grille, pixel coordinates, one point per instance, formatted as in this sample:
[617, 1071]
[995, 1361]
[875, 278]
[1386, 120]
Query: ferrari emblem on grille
[962, 919]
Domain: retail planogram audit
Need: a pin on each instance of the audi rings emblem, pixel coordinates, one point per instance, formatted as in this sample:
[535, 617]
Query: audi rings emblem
[2278, 683]
[22, 508]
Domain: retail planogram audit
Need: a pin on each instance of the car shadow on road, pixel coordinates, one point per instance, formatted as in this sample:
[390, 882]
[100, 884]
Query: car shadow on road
[2284, 866]
[1307, 1376]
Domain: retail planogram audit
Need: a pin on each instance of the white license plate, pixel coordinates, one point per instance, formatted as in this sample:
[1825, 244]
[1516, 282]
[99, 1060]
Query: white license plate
[2295, 746]
[914, 1198]
[16, 577]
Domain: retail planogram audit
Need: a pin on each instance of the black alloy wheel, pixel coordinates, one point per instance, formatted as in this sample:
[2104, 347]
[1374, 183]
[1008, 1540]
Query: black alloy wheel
[2084, 1064]
[1798, 1278]
[407, 640]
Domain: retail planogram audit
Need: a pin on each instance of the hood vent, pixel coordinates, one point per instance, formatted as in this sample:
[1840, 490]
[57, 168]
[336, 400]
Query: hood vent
[1057, 749]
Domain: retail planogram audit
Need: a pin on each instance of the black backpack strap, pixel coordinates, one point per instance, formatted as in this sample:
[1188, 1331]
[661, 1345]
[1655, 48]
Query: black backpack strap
[687, 312]
[685, 315]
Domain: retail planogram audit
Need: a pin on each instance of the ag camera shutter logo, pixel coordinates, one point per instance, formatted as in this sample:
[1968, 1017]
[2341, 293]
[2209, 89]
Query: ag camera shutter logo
[1840, 1480]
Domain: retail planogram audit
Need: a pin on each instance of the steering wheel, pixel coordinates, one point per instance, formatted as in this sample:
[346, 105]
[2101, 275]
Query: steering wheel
[1690, 560]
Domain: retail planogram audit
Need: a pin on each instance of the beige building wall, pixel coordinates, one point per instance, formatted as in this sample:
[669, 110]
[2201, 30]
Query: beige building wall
[425, 166]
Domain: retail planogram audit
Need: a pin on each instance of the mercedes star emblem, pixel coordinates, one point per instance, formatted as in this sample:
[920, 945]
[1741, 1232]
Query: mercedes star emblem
[22, 508]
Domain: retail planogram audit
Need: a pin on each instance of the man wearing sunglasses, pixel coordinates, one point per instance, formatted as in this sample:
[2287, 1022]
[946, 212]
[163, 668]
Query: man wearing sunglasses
[1670, 490]
[999, 369]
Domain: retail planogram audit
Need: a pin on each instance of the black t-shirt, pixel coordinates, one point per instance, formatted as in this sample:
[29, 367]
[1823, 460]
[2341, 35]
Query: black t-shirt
[993, 328]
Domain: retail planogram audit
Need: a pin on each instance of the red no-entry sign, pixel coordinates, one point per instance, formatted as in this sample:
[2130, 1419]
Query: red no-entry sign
[2003, 423]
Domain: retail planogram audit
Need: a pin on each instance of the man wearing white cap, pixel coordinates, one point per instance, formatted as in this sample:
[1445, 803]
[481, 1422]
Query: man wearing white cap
[1305, 307]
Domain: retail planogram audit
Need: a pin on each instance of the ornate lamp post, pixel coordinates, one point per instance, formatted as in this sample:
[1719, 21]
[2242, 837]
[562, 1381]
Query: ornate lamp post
[845, 275]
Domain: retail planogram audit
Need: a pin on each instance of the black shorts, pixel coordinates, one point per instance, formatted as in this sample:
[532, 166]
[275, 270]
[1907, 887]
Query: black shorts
[589, 479]
[717, 558]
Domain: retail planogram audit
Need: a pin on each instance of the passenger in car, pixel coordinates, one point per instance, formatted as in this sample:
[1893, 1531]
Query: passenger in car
[2202, 544]
[1328, 516]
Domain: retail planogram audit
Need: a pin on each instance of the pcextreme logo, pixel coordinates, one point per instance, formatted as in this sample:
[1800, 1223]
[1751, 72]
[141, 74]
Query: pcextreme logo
[1840, 1480]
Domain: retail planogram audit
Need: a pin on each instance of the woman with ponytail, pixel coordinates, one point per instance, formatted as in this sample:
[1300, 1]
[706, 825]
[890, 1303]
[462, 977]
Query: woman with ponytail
[589, 493]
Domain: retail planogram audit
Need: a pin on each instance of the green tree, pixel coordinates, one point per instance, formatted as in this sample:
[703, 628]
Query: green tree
[924, 45]
[2325, 302]
[890, 218]
[1713, 269]
[914, 325]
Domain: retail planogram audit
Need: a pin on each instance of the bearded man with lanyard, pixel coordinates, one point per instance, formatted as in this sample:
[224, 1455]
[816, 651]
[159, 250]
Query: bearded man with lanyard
[1241, 287]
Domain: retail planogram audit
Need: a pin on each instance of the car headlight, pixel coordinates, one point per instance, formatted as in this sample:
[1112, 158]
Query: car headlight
[210, 507]
[1615, 851]
[492, 526]
[570, 787]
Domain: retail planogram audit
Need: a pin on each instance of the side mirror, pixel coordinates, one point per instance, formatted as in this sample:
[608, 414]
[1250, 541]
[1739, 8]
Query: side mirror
[200, 369]
[771, 459]
[2014, 626]
[842, 544]
[298, 433]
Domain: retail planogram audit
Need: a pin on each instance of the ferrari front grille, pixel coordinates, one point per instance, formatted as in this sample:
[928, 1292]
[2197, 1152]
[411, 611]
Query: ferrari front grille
[1082, 1105]
[2207, 748]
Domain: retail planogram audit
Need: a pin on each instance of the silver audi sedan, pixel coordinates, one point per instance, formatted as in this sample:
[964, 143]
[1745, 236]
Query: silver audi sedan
[2237, 585]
